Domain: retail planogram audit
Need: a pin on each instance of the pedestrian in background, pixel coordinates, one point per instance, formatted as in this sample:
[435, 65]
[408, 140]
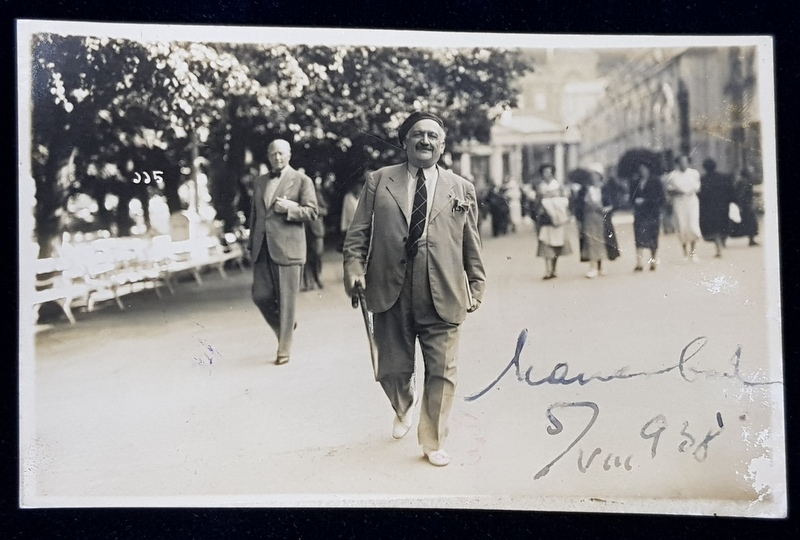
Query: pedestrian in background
[283, 202]
[683, 184]
[648, 199]
[349, 205]
[667, 214]
[715, 197]
[552, 217]
[315, 243]
[498, 209]
[593, 209]
[528, 190]
[513, 196]
[744, 186]
[419, 224]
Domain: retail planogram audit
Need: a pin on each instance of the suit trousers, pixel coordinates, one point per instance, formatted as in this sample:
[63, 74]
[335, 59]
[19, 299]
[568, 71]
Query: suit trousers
[412, 317]
[275, 290]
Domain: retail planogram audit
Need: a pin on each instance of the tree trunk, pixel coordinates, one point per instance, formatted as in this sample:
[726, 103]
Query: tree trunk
[52, 192]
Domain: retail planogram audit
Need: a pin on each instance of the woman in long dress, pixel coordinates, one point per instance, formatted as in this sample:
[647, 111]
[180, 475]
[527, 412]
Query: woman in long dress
[716, 195]
[552, 217]
[593, 208]
[648, 200]
[683, 185]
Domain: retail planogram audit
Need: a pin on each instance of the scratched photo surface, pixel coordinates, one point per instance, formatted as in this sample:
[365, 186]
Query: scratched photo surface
[656, 391]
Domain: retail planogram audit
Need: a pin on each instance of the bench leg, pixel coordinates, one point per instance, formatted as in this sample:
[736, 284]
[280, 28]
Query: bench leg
[118, 300]
[156, 285]
[170, 287]
[65, 306]
[221, 269]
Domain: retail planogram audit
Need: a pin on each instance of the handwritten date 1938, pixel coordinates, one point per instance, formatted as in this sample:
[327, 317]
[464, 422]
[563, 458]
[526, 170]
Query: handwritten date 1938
[651, 430]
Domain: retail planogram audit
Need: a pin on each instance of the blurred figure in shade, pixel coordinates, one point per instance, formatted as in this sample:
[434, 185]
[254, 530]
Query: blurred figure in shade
[498, 209]
[594, 206]
[744, 188]
[349, 205]
[667, 213]
[716, 195]
[683, 184]
[552, 217]
[315, 243]
[528, 190]
[648, 199]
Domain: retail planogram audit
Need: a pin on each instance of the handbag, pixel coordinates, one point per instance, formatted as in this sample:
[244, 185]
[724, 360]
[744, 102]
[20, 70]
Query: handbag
[733, 213]
[543, 219]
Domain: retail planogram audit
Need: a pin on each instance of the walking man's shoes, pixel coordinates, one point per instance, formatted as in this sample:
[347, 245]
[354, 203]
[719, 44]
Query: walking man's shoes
[281, 360]
[402, 424]
[439, 458]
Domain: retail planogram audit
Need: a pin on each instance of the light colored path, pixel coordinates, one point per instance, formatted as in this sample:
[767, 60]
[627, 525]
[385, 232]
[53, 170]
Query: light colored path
[178, 397]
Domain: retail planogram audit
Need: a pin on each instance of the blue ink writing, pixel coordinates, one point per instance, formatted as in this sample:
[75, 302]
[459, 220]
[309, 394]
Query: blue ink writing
[559, 375]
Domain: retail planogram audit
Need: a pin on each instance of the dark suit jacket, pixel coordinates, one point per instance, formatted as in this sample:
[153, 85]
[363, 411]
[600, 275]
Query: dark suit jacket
[375, 242]
[285, 233]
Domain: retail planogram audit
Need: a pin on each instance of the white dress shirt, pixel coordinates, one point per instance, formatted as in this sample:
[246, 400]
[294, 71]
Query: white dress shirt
[272, 186]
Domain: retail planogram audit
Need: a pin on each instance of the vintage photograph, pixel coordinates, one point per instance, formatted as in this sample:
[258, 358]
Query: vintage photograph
[318, 267]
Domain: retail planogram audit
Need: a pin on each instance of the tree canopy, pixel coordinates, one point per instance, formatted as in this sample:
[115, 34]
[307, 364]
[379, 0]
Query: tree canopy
[105, 109]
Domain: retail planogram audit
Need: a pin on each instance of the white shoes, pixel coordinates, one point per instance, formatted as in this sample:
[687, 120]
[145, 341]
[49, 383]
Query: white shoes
[402, 424]
[591, 274]
[438, 458]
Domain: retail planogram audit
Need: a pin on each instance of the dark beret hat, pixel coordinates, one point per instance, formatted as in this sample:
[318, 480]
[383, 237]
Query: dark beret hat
[412, 119]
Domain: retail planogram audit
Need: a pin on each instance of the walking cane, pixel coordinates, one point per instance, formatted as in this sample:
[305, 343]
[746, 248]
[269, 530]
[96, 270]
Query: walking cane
[356, 299]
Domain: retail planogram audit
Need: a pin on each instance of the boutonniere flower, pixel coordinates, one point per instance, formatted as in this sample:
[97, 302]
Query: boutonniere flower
[461, 206]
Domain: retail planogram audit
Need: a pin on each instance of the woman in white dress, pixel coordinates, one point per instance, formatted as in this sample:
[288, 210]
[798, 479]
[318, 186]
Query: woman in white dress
[552, 216]
[513, 196]
[683, 184]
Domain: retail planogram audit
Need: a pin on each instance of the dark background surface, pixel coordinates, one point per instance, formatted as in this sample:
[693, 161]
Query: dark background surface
[778, 19]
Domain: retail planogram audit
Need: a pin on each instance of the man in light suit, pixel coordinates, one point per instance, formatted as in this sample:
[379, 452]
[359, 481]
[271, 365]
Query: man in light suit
[283, 201]
[414, 248]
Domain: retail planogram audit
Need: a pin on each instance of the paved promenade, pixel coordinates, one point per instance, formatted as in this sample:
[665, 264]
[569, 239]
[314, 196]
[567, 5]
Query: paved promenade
[176, 401]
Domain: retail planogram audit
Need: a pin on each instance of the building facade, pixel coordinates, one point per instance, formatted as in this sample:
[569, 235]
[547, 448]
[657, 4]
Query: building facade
[542, 128]
[700, 101]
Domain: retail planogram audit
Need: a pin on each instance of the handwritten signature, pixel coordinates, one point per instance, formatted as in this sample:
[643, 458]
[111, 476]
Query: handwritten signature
[652, 429]
[559, 375]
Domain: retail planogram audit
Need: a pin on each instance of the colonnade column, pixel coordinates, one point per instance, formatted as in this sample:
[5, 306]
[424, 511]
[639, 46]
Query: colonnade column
[560, 162]
[496, 165]
[465, 164]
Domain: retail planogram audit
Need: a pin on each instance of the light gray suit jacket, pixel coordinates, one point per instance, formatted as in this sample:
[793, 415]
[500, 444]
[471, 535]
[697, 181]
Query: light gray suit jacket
[375, 243]
[285, 233]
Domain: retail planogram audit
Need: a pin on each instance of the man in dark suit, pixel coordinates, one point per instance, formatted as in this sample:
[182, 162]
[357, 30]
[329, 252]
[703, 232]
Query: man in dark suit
[283, 201]
[414, 248]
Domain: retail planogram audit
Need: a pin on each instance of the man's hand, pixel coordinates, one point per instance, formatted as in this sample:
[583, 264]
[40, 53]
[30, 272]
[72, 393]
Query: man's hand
[354, 283]
[282, 205]
[475, 305]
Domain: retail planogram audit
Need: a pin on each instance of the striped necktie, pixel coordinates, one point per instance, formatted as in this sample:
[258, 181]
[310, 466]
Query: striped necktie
[418, 213]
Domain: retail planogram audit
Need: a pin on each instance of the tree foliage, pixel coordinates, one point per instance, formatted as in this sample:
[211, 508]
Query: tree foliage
[104, 109]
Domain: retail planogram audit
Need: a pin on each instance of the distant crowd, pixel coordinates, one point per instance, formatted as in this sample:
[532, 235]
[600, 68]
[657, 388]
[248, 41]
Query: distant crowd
[711, 206]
